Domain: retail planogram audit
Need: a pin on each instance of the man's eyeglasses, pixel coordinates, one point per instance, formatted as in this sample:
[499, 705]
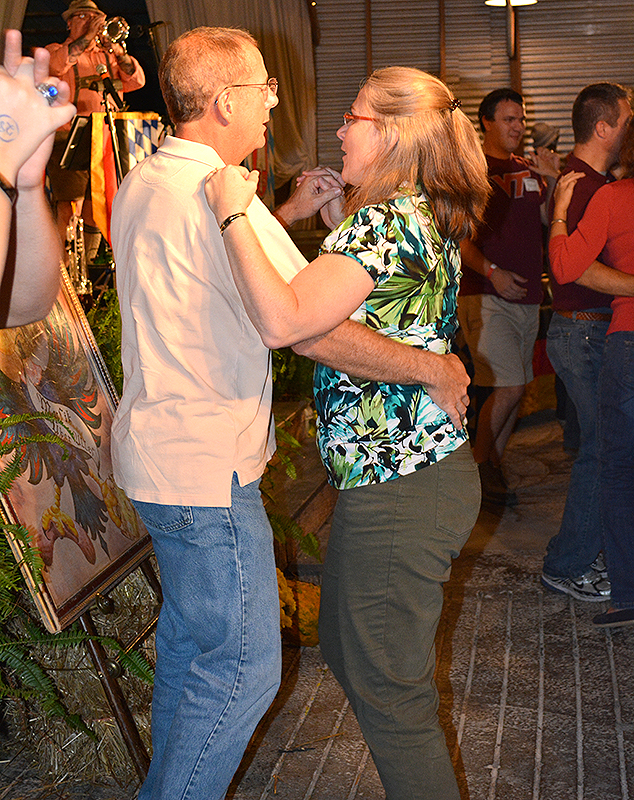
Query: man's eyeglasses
[349, 117]
[269, 87]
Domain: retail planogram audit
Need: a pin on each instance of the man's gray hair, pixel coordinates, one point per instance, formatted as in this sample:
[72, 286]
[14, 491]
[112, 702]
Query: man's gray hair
[198, 65]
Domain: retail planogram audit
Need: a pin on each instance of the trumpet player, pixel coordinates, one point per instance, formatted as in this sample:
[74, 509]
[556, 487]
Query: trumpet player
[79, 61]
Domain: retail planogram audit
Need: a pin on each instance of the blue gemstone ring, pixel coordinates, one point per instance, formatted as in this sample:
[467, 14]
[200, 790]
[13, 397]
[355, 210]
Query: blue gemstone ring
[49, 91]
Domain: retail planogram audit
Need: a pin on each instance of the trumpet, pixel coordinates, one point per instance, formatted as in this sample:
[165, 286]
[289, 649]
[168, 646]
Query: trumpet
[76, 256]
[115, 30]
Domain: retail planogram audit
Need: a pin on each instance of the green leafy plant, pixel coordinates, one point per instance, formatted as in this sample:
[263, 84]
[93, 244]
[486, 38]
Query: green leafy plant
[105, 321]
[22, 677]
[292, 375]
[283, 526]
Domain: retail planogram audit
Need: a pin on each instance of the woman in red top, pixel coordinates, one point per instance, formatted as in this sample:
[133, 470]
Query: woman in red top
[606, 233]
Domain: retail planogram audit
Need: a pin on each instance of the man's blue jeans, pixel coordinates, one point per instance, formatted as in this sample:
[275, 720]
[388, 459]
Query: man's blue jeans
[575, 349]
[217, 642]
[616, 437]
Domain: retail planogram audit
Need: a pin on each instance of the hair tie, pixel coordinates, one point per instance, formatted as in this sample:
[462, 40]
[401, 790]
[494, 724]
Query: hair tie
[455, 103]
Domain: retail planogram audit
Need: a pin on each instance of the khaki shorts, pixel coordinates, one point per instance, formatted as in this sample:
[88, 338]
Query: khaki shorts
[501, 338]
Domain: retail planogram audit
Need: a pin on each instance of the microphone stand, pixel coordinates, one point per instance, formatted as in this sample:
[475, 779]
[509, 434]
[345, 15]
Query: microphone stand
[151, 33]
[113, 136]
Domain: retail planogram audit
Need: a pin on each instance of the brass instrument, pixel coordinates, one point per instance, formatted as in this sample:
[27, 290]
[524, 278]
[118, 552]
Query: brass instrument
[76, 253]
[116, 30]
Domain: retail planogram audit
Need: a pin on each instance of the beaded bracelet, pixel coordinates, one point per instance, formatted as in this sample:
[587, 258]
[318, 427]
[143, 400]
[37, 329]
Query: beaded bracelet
[225, 224]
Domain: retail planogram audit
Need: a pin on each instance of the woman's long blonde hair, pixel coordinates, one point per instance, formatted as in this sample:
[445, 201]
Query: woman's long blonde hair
[427, 142]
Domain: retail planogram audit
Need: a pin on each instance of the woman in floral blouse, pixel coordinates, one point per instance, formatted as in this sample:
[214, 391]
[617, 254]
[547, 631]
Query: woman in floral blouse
[410, 490]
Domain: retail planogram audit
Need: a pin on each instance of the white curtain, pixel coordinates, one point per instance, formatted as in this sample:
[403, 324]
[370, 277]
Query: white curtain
[282, 28]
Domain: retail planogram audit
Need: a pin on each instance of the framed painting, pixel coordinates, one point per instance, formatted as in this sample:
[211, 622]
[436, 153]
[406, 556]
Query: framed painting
[87, 531]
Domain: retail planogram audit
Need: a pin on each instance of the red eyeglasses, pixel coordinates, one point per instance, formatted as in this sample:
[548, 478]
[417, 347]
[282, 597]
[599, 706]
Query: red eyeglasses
[350, 117]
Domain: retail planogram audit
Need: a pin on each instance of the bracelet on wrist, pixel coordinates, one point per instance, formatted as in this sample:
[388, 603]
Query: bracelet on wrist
[231, 218]
[559, 219]
[490, 270]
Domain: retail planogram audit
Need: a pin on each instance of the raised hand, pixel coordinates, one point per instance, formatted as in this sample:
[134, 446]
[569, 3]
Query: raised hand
[563, 192]
[332, 212]
[230, 190]
[316, 190]
[27, 120]
[546, 162]
[329, 176]
[93, 27]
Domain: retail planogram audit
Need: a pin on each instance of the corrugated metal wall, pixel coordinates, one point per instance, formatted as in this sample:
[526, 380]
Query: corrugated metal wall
[340, 65]
[475, 51]
[565, 44]
[405, 33]
[568, 45]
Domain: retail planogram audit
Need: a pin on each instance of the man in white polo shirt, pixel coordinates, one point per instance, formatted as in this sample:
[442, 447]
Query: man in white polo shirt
[193, 431]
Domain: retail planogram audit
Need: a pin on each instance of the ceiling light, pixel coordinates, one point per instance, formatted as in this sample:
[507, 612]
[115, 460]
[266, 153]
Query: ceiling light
[502, 3]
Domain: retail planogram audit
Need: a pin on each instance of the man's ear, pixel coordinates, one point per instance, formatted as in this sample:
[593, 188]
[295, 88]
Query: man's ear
[602, 129]
[223, 106]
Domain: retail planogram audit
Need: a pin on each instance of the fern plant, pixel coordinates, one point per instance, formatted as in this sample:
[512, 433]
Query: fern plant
[105, 321]
[283, 526]
[292, 375]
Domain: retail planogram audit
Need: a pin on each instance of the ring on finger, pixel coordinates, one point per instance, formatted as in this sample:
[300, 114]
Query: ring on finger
[49, 91]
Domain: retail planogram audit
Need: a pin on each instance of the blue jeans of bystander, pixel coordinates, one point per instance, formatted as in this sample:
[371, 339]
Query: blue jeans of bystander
[616, 437]
[575, 349]
[217, 642]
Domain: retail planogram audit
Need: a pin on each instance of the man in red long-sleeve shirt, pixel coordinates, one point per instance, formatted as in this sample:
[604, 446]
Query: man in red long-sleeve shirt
[576, 338]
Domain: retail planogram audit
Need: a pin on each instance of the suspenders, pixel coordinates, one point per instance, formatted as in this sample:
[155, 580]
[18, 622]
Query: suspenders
[84, 83]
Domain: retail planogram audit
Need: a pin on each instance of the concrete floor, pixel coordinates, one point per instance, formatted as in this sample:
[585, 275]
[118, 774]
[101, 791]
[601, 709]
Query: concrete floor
[536, 704]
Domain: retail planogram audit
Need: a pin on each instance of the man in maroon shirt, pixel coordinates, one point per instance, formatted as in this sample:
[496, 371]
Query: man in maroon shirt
[501, 290]
[576, 338]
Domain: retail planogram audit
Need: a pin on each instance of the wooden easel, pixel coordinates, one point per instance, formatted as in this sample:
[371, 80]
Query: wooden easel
[109, 682]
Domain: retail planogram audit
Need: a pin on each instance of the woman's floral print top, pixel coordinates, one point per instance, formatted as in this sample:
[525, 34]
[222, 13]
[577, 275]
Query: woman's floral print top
[371, 432]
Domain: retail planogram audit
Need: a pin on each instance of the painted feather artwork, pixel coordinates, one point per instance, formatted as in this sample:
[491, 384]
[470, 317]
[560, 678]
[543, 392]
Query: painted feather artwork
[86, 529]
